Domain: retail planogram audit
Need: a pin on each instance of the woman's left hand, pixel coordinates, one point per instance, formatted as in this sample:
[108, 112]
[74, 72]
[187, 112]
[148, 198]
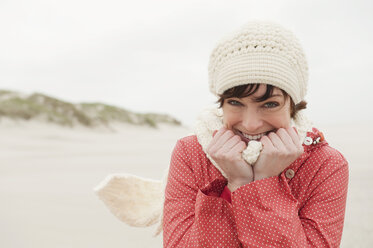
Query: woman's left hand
[280, 149]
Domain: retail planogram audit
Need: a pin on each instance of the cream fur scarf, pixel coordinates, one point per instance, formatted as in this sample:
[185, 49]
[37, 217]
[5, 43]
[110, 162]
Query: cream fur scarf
[139, 201]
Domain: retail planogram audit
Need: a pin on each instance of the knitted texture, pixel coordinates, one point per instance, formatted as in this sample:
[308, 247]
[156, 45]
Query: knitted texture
[259, 52]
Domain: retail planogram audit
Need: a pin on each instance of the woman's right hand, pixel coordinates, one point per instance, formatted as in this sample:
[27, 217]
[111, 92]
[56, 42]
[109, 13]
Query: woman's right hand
[226, 150]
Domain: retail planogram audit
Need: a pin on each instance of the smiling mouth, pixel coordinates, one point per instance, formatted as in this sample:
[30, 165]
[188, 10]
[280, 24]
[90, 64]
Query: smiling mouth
[247, 138]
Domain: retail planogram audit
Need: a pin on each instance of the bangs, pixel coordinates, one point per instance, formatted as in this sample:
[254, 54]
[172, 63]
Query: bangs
[248, 90]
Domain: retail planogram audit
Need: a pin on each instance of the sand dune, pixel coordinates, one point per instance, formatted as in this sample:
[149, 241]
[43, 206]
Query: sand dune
[48, 173]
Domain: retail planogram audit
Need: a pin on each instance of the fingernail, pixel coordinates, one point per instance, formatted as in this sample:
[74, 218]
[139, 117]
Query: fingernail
[295, 130]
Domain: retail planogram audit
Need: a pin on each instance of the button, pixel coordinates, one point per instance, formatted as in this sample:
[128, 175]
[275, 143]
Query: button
[289, 173]
[308, 141]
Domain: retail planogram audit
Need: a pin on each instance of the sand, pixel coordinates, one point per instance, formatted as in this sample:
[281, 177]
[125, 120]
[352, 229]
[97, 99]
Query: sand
[47, 176]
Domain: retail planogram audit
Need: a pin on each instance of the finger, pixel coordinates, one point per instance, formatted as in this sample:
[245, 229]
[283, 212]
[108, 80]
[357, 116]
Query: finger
[218, 140]
[231, 142]
[286, 139]
[276, 141]
[215, 138]
[237, 149]
[294, 136]
[224, 138]
[219, 133]
[267, 143]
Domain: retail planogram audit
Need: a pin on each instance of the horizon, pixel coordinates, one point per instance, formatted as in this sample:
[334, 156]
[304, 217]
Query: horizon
[155, 59]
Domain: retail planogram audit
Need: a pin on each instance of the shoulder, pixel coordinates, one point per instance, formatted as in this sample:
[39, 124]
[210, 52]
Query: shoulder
[321, 151]
[189, 147]
[325, 160]
[329, 154]
[319, 159]
[189, 143]
[189, 140]
[328, 159]
[189, 151]
[320, 166]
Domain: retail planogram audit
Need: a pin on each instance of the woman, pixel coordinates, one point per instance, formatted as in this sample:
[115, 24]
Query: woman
[256, 174]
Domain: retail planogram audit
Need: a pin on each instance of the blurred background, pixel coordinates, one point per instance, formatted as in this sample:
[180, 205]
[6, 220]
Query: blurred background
[87, 87]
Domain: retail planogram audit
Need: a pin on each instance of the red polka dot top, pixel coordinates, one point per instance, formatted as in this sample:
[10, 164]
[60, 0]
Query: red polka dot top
[304, 206]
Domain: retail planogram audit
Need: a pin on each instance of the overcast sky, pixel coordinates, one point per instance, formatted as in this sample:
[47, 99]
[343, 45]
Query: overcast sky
[152, 56]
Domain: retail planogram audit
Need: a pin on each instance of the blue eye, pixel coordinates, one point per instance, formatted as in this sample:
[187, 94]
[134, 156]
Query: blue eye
[234, 102]
[271, 104]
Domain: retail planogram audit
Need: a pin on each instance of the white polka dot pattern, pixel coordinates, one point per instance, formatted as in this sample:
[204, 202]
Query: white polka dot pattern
[304, 211]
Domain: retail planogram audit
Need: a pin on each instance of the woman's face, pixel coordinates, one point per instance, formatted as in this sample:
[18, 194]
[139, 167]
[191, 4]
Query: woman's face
[251, 120]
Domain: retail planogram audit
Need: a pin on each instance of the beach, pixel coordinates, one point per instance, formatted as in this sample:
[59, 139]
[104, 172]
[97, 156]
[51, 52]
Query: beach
[48, 173]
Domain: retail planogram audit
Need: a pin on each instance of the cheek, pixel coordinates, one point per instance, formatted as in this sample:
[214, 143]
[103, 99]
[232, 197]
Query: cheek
[230, 118]
[280, 120]
[286, 120]
[283, 119]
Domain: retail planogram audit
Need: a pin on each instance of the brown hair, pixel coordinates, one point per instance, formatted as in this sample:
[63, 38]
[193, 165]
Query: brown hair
[249, 89]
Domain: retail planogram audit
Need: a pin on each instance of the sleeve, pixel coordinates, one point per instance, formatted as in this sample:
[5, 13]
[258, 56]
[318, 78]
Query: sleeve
[195, 217]
[268, 215]
[226, 194]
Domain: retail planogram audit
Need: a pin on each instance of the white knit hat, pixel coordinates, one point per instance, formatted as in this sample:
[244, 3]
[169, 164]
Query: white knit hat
[259, 52]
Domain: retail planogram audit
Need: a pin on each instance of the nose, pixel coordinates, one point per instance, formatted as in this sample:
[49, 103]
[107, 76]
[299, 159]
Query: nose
[252, 122]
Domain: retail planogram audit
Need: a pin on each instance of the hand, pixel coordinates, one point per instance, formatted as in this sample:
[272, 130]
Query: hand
[226, 150]
[280, 149]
